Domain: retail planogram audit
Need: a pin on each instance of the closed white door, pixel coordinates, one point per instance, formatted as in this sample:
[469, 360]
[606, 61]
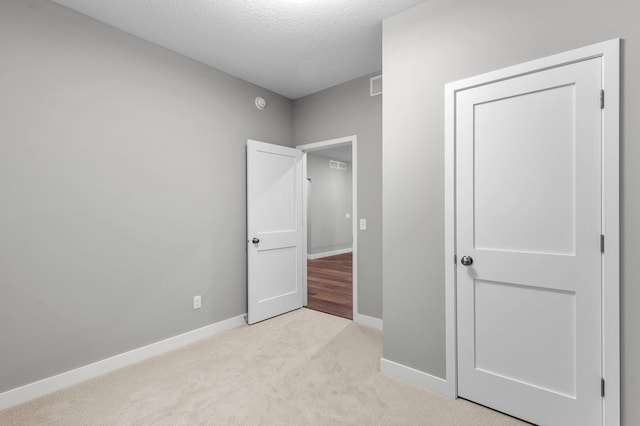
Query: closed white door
[274, 230]
[528, 198]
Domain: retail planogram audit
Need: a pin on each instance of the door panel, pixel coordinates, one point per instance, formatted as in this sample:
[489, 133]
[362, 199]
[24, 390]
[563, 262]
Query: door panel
[502, 348]
[517, 208]
[276, 277]
[274, 219]
[528, 195]
[275, 177]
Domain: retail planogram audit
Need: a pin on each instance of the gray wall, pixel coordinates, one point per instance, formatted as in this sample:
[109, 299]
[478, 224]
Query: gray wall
[122, 190]
[330, 196]
[441, 41]
[346, 110]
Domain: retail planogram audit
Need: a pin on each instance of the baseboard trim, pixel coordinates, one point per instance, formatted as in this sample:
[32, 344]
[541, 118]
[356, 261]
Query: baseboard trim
[329, 253]
[415, 377]
[368, 321]
[51, 384]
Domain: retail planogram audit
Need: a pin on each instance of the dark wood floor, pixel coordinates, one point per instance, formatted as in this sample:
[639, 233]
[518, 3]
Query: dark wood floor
[329, 283]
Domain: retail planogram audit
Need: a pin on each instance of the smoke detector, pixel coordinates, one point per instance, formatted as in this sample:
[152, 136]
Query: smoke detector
[260, 103]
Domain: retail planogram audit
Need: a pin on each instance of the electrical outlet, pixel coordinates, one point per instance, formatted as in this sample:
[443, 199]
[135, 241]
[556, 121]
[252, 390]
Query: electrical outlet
[363, 224]
[197, 302]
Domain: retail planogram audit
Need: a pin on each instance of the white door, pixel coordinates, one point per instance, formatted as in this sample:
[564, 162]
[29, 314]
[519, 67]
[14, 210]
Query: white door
[528, 203]
[274, 230]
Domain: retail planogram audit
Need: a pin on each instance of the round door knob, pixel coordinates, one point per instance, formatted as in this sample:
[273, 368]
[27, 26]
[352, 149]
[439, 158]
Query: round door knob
[255, 240]
[466, 260]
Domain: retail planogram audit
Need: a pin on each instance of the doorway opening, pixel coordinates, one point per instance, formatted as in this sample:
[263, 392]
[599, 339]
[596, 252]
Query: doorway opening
[330, 226]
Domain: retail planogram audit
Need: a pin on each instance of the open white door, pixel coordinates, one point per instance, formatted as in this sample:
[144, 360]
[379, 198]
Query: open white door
[274, 230]
[529, 224]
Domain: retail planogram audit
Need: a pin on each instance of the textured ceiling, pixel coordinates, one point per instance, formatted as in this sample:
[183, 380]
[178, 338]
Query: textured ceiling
[292, 47]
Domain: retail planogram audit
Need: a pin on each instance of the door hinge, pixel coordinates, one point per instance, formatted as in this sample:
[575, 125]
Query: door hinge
[602, 387]
[455, 259]
[601, 243]
[601, 99]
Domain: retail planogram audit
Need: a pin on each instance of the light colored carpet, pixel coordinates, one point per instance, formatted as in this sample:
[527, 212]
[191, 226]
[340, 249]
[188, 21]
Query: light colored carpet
[304, 367]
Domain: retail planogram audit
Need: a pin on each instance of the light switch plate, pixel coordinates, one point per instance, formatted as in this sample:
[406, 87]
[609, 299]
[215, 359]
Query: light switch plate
[363, 224]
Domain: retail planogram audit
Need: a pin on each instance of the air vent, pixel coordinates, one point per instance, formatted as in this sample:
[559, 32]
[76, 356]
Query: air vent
[337, 165]
[375, 85]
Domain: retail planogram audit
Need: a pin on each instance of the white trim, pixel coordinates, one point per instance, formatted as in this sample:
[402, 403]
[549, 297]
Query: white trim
[368, 321]
[305, 243]
[329, 253]
[451, 337]
[316, 146]
[609, 51]
[331, 143]
[354, 221]
[51, 384]
[611, 230]
[413, 376]
[371, 83]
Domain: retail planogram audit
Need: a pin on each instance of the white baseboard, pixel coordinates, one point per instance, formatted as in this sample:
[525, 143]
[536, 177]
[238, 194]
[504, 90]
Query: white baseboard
[368, 321]
[415, 377]
[329, 253]
[51, 384]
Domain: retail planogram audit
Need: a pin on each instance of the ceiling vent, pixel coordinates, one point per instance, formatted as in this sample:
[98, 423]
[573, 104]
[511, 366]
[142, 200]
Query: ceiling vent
[375, 85]
[337, 165]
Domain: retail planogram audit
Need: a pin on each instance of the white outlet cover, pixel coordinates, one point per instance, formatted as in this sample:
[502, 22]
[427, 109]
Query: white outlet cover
[197, 302]
[363, 224]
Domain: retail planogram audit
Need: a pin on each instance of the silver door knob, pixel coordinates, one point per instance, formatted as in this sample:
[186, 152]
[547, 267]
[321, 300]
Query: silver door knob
[255, 240]
[466, 260]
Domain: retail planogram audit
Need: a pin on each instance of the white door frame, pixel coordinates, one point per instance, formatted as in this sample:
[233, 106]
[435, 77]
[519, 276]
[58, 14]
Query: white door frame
[317, 146]
[609, 51]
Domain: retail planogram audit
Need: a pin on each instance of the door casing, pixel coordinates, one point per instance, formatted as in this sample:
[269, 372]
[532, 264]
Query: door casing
[609, 51]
